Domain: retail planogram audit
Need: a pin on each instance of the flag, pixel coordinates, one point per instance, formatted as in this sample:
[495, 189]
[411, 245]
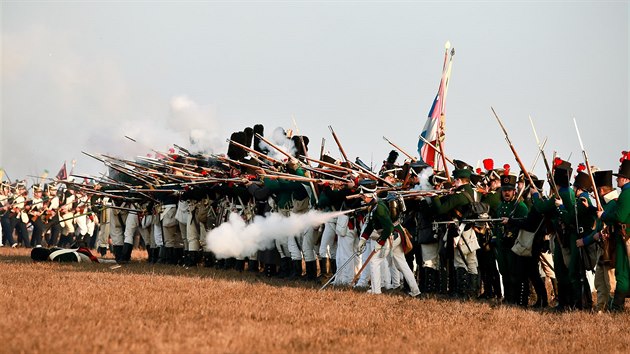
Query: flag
[427, 153]
[62, 174]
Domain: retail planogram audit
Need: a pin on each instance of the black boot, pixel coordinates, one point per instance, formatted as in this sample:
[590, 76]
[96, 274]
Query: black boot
[311, 271]
[102, 251]
[162, 255]
[156, 254]
[118, 253]
[618, 302]
[239, 265]
[170, 256]
[208, 259]
[178, 256]
[149, 254]
[444, 281]
[285, 267]
[333, 266]
[127, 248]
[189, 259]
[252, 266]
[473, 285]
[461, 275]
[522, 297]
[270, 270]
[296, 270]
[322, 267]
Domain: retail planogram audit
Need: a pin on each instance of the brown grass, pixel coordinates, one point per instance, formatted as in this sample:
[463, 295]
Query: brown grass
[139, 308]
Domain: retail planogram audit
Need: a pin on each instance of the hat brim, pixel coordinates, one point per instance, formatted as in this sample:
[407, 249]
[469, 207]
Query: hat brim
[620, 175]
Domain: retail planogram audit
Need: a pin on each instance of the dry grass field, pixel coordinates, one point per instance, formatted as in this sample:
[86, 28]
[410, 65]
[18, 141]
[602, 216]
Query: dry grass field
[142, 308]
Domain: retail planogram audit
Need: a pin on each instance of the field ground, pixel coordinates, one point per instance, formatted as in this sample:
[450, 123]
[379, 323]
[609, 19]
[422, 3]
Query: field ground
[143, 308]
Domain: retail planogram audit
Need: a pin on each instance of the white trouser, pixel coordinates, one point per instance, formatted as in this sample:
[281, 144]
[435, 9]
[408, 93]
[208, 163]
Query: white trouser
[376, 267]
[103, 235]
[308, 244]
[367, 271]
[68, 224]
[294, 244]
[345, 249]
[470, 263]
[194, 232]
[183, 230]
[328, 246]
[398, 257]
[430, 255]
[157, 232]
[131, 226]
[81, 222]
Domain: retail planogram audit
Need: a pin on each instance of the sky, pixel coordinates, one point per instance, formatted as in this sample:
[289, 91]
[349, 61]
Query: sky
[79, 76]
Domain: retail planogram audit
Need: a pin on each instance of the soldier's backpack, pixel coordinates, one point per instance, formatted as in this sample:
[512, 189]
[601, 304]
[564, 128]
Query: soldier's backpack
[476, 209]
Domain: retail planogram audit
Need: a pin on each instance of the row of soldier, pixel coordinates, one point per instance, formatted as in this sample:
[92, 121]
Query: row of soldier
[457, 244]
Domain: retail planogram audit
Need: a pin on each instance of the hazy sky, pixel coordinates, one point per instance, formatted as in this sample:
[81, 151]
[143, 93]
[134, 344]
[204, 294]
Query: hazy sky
[78, 76]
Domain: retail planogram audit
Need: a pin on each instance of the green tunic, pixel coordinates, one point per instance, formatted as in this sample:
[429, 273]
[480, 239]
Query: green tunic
[620, 214]
[379, 219]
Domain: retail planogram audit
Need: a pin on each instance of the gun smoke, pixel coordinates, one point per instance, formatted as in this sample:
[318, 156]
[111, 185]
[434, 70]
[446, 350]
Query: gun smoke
[235, 238]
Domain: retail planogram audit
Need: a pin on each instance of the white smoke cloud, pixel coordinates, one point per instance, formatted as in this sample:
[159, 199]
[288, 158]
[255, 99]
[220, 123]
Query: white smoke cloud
[280, 140]
[424, 184]
[235, 238]
[89, 105]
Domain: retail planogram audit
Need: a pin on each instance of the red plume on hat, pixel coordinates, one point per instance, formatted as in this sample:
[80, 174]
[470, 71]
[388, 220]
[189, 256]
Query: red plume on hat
[581, 167]
[478, 170]
[506, 169]
[557, 162]
[488, 164]
[625, 155]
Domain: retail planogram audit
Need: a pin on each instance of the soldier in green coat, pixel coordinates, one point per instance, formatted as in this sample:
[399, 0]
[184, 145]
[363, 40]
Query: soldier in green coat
[505, 235]
[561, 211]
[455, 206]
[620, 218]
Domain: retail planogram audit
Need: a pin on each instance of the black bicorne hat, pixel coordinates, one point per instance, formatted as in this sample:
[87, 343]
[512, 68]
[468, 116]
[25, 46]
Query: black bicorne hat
[603, 178]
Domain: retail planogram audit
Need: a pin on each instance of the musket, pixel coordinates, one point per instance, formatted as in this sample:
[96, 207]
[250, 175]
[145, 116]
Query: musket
[106, 206]
[516, 157]
[321, 149]
[248, 149]
[315, 170]
[150, 172]
[331, 165]
[133, 173]
[401, 150]
[552, 183]
[239, 163]
[343, 153]
[170, 164]
[297, 178]
[120, 169]
[435, 148]
[208, 180]
[588, 168]
[370, 173]
[288, 156]
[467, 221]
[358, 275]
[312, 185]
[354, 255]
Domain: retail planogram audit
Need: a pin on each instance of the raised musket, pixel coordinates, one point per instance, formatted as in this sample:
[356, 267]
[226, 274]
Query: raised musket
[248, 149]
[552, 183]
[341, 150]
[400, 149]
[516, 157]
[588, 168]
